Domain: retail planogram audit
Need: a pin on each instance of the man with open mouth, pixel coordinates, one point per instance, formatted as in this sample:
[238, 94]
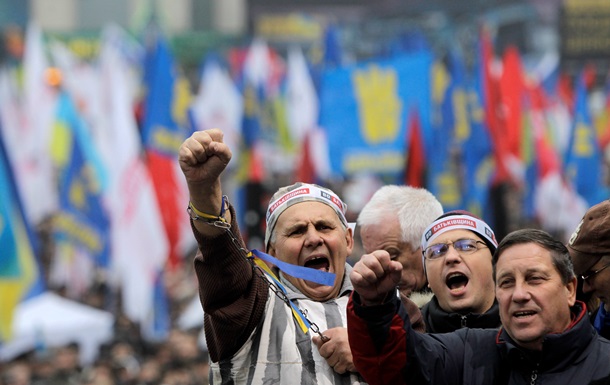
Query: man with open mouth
[545, 338]
[264, 326]
[457, 251]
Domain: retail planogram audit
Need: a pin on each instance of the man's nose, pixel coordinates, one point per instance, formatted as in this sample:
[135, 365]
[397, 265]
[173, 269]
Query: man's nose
[520, 292]
[312, 237]
[452, 255]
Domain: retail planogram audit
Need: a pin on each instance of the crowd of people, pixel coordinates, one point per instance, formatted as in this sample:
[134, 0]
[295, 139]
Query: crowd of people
[429, 297]
[500, 312]
[128, 358]
[177, 361]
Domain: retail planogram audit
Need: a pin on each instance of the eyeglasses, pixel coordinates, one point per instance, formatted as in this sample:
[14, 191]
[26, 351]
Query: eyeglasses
[589, 274]
[462, 246]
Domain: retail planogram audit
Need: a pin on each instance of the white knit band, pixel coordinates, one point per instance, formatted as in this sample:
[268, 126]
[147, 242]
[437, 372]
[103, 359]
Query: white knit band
[303, 193]
[453, 222]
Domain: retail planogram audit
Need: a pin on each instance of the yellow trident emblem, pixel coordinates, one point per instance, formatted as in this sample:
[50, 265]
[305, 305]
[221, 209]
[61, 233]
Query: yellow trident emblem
[380, 107]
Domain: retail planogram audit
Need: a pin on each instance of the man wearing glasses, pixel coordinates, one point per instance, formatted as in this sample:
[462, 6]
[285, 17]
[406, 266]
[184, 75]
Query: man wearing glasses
[457, 251]
[589, 248]
[545, 338]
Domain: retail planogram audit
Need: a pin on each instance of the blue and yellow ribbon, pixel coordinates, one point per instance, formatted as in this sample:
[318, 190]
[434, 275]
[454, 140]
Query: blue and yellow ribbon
[309, 274]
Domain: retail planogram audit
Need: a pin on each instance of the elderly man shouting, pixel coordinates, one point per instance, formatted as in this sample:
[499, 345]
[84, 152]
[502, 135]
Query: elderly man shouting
[263, 326]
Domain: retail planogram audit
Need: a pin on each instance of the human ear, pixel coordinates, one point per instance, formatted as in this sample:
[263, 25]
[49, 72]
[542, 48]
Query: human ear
[571, 290]
[349, 239]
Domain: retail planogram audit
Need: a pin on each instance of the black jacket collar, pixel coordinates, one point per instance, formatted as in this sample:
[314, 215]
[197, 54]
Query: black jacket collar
[559, 350]
[439, 321]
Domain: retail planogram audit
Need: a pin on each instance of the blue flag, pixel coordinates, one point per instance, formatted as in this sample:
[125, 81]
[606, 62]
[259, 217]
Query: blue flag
[448, 99]
[166, 122]
[477, 150]
[82, 220]
[583, 159]
[19, 268]
[166, 125]
[366, 108]
[157, 328]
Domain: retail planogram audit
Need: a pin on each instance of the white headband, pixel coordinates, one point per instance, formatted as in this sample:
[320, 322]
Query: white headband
[303, 193]
[453, 222]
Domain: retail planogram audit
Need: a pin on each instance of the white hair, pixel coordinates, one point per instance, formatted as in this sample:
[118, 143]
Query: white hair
[414, 207]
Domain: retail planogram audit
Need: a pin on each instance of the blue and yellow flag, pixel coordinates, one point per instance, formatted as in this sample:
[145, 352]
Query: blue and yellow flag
[448, 116]
[477, 152]
[166, 125]
[19, 270]
[583, 158]
[365, 110]
[82, 221]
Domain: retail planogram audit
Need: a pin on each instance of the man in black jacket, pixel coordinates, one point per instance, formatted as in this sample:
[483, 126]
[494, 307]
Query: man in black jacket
[545, 337]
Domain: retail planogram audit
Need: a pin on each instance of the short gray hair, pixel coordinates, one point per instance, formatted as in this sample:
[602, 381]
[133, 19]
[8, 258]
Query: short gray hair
[415, 208]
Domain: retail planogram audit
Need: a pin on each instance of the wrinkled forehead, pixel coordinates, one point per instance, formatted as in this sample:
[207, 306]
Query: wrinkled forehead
[525, 257]
[308, 211]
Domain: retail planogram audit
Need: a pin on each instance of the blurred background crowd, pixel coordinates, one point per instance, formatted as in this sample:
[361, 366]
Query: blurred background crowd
[495, 106]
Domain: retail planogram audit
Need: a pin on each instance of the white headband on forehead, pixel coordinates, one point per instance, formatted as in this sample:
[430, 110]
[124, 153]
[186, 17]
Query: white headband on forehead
[303, 193]
[453, 222]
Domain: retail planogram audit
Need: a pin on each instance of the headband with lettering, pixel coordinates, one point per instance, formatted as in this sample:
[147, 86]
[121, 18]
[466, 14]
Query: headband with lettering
[463, 220]
[302, 192]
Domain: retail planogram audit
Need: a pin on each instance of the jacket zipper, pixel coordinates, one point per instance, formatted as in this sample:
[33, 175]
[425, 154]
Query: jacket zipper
[534, 377]
[463, 322]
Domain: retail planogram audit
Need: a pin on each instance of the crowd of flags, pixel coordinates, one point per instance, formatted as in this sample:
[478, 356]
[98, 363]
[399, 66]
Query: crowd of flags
[91, 156]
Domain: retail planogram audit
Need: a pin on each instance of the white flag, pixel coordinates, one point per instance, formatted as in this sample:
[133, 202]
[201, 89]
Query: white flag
[139, 243]
[302, 105]
[558, 205]
[26, 130]
[303, 110]
[218, 104]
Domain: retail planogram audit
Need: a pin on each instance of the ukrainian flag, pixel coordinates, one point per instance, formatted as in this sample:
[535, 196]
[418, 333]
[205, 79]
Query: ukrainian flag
[18, 264]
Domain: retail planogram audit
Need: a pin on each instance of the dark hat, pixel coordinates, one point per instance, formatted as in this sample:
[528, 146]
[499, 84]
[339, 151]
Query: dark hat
[591, 239]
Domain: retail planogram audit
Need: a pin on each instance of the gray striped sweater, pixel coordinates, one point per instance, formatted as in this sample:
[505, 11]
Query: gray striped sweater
[251, 334]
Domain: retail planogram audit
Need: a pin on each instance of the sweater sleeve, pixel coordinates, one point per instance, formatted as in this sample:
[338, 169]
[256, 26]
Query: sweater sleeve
[233, 296]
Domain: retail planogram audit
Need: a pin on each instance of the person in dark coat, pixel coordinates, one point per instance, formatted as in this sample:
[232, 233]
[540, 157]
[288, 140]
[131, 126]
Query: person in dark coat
[589, 248]
[545, 338]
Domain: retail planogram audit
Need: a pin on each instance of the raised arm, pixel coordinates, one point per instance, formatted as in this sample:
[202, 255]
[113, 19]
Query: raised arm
[232, 296]
[203, 157]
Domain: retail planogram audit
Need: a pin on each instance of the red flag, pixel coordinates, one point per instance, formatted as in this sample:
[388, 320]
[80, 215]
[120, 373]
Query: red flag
[556, 202]
[548, 159]
[415, 167]
[493, 109]
[566, 91]
[512, 88]
[164, 178]
[256, 171]
[305, 169]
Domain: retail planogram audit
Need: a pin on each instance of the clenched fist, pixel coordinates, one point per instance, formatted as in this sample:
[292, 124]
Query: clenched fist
[374, 276]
